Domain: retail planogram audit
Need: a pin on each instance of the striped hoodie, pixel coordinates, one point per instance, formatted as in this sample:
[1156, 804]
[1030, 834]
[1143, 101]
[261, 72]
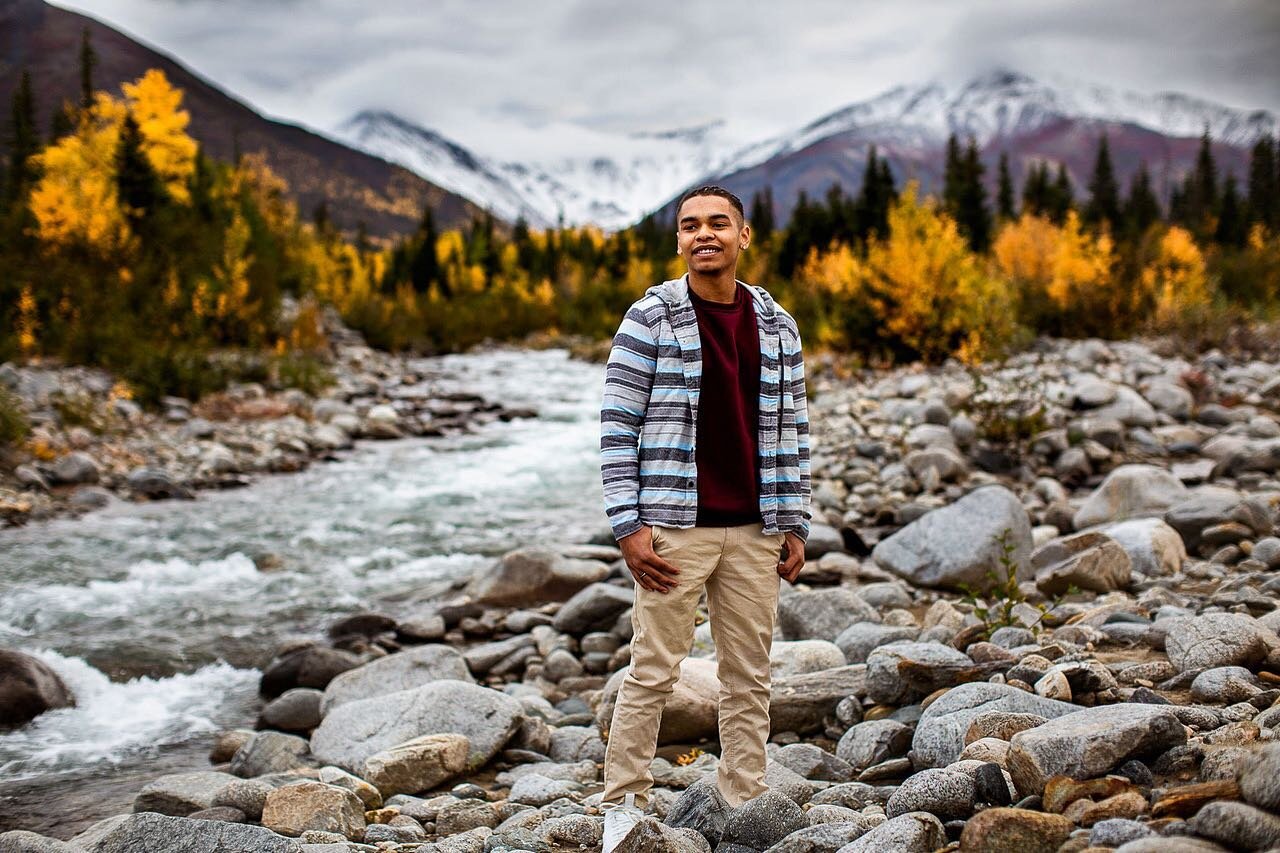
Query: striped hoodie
[649, 416]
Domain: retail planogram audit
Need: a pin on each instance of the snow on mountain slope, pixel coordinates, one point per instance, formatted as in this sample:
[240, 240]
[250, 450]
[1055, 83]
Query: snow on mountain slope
[614, 180]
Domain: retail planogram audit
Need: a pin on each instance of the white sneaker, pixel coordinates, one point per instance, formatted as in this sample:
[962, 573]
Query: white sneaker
[619, 819]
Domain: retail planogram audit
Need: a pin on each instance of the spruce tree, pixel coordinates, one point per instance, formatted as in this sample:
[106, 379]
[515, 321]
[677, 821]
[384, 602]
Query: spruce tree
[799, 237]
[62, 122]
[1035, 190]
[1232, 226]
[24, 142]
[1104, 192]
[1061, 196]
[761, 218]
[1141, 208]
[1004, 195]
[1261, 206]
[88, 61]
[973, 215]
[952, 178]
[1200, 193]
[137, 185]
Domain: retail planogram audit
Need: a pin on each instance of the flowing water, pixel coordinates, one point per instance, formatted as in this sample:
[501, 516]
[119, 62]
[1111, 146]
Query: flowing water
[159, 619]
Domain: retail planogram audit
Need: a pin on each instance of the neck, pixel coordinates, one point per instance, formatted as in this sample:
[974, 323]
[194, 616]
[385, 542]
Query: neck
[721, 287]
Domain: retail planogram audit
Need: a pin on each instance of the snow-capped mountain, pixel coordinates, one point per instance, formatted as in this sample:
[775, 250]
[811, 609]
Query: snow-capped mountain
[611, 190]
[1008, 104]
[619, 179]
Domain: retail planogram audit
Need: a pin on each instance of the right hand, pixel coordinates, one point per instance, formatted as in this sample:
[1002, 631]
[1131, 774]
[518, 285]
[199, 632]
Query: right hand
[650, 571]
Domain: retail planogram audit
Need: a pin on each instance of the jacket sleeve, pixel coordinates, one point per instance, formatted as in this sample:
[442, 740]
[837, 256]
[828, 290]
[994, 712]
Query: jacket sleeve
[795, 375]
[628, 380]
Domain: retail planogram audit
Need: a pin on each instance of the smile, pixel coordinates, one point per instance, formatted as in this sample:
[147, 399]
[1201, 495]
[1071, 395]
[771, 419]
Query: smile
[706, 250]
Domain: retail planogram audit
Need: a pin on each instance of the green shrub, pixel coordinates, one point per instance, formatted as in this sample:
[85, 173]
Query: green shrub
[13, 420]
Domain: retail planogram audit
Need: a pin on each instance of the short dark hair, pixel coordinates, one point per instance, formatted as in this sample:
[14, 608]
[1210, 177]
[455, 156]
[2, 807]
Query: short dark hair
[712, 190]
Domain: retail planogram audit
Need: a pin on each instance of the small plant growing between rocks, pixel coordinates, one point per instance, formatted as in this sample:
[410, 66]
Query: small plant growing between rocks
[999, 606]
[689, 757]
[13, 421]
[1008, 416]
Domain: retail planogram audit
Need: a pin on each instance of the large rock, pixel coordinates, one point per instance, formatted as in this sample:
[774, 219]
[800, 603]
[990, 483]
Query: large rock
[946, 794]
[1002, 830]
[917, 832]
[1238, 825]
[1155, 549]
[872, 742]
[1206, 507]
[821, 614]
[1259, 777]
[1089, 561]
[594, 608]
[1131, 491]
[354, 732]
[902, 671]
[940, 734]
[796, 657]
[407, 670]
[180, 794]
[801, 703]
[691, 711]
[155, 832]
[271, 752]
[701, 808]
[1091, 742]
[311, 666]
[29, 842]
[28, 688]
[762, 822]
[957, 546]
[302, 806]
[296, 710]
[1218, 639]
[76, 467]
[417, 765]
[861, 638]
[533, 575]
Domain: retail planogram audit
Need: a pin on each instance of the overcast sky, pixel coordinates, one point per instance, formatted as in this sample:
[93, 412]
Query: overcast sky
[515, 78]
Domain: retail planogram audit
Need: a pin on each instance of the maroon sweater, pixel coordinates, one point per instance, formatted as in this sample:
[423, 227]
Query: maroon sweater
[728, 409]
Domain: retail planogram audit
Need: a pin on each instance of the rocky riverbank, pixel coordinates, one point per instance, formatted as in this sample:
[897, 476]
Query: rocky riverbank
[90, 444]
[1039, 614]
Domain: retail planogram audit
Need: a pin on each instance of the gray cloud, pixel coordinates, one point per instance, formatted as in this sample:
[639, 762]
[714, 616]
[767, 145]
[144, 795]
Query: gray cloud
[534, 79]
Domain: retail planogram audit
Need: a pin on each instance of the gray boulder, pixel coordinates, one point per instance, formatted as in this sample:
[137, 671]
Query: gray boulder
[702, 808]
[871, 742]
[29, 842]
[1259, 777]
[1238, 825]
[1218, 639]
[956, 546]
[353, 732]
[412, 668]
[296, 710]
[180, 794]
[1155, 549]
[271, 752]
[940, 733]
[75, 468]
[594, 608]
[821, 614]
[861, 638]
[916, 832]
[946, 794]
[902, 671]
[157, 832]
[761, 822]
[532, 575]
[1131, 491]
[1091, 742]
[1089, 561]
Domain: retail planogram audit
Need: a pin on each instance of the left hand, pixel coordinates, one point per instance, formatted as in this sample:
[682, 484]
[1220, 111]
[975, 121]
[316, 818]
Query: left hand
[792, 558]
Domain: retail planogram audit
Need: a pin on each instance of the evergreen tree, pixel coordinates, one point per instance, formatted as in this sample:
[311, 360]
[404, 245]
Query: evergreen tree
[1232, 226]
[137, 184]
[841, 218]
[1141, 208]
[761, 219]
[799, 237]
[952, 178]
[877, 193]
[23, 139]
[1263, 181]
[1104, 192]
[969, 207]
[88, 61]
[201, 186]
[424, 266]
[321, 219]
[1199, 203]
[1035, 190]
[1004, 195]
[62, 121]
[1061, 196]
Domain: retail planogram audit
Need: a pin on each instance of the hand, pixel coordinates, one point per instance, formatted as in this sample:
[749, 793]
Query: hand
[793, 558]
[650, 571]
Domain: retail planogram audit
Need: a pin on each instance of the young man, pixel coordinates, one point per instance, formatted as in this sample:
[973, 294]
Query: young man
[704, 443]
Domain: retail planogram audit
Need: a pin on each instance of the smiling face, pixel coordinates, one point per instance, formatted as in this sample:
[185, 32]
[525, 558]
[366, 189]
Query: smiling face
[710, 234]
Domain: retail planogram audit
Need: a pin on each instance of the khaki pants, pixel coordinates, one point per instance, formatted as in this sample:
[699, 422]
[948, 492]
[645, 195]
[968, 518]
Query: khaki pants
[739, 568]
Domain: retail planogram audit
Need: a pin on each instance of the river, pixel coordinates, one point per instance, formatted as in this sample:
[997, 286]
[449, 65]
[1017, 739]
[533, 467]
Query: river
[160, 620]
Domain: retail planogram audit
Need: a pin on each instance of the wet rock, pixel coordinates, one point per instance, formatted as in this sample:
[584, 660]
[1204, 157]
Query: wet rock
[956, 546]
[180, 794]
[156, 484]
[353, 732]
[532, 575]
[311, 666]
[28, 688]
[1091, 742]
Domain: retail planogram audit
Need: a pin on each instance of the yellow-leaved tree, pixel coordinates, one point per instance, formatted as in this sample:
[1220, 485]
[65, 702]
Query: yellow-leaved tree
[1175, 279]
[157, 108]
[930, 290]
